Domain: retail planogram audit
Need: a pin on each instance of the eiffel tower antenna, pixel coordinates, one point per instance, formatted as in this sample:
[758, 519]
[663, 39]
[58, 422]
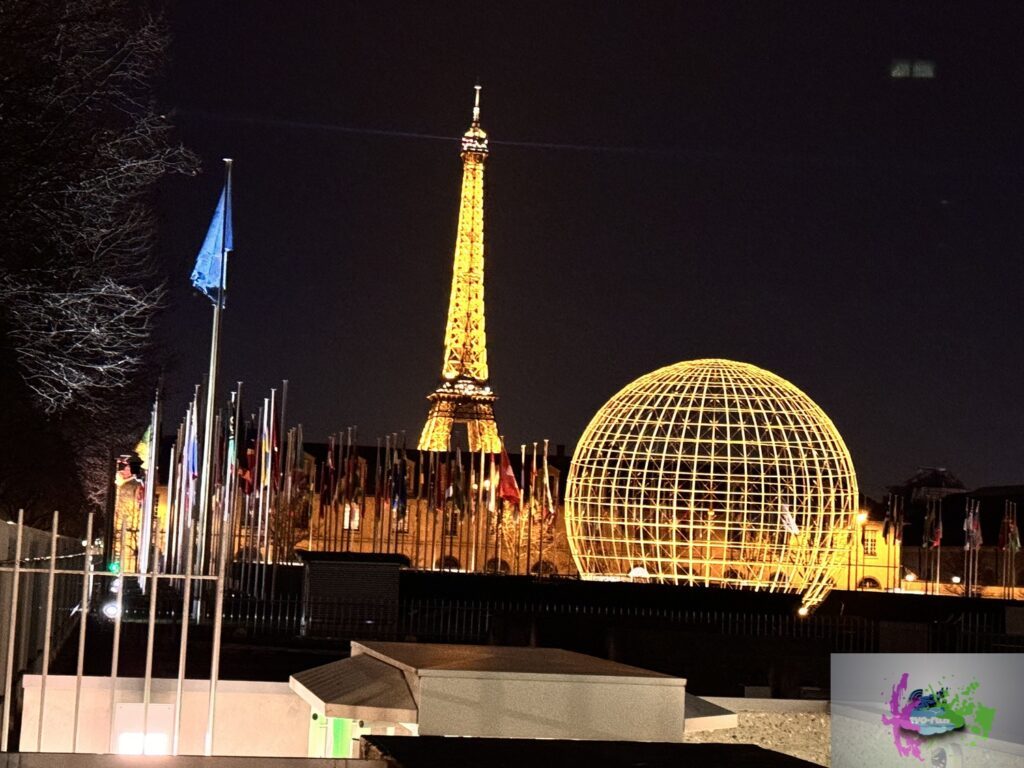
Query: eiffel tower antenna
[464, 397]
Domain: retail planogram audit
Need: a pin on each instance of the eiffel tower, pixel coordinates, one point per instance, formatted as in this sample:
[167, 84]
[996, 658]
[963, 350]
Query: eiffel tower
[463, 397]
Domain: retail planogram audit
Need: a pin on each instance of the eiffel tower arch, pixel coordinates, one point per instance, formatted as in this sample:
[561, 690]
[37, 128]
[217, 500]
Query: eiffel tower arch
[464, 396]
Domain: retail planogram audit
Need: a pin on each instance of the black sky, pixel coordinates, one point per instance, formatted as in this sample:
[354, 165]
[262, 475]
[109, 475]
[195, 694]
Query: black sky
[736, 180]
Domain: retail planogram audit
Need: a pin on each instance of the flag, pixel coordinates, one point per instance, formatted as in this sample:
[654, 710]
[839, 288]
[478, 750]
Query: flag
[788, 521]
[972, 528]
[457, 489]
[897, 518]
[207, 275]
[247, 459]
[937, 529]
[190, 459]
[508, 489]
[928, 532]
[887, 525]
[492, 488]
[399, 494]
[1014, 535]
[142, 449]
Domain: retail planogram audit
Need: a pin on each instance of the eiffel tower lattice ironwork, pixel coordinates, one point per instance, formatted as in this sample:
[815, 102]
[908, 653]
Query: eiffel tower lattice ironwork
[464, 396]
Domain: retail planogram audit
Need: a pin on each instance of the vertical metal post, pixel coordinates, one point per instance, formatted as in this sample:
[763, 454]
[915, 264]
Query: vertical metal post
[183, 648]
[48, 631]
[83, 611]
[217, 625]
[115, 651]
[11, 629]
[147, 684]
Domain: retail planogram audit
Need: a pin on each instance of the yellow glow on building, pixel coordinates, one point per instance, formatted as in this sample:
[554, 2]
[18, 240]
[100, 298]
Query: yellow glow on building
[714, 473]
[463, 396]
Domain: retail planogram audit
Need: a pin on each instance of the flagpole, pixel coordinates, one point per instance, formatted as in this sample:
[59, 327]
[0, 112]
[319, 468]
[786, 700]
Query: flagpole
[211, 387]
[152, 448]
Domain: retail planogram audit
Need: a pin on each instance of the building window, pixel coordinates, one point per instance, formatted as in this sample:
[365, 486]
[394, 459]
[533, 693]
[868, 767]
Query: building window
[871, 544]
[914, 68]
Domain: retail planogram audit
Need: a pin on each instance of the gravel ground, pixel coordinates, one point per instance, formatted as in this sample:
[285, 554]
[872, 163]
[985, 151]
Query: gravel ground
[800, 734]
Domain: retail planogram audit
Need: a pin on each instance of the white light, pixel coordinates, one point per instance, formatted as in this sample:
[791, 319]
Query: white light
[132, 743]
[115, 585]
[110, 610]
[85, 542]
[910, 576]
[955, 579]
[639, 572]
[802, 610]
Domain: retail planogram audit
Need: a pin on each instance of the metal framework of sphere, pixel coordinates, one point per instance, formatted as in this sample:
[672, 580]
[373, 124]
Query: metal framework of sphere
[714, 473]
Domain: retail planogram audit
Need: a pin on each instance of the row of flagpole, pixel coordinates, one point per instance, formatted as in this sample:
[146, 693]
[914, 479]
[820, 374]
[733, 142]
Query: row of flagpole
[932, 533]
[431, 507]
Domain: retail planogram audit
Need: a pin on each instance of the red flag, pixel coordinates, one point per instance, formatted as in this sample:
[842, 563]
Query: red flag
[508, 489]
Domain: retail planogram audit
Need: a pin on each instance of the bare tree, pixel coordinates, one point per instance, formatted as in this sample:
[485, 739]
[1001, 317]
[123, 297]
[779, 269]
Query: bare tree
[81, 146]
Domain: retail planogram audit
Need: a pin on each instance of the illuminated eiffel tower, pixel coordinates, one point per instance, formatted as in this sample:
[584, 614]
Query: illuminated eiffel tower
[463, 396]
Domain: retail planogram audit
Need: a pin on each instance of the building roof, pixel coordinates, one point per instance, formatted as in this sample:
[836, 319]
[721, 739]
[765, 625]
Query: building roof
[361, 688]
[426, 659]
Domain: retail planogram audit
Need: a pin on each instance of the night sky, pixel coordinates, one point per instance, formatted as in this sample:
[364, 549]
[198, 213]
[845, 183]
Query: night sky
[667, 181]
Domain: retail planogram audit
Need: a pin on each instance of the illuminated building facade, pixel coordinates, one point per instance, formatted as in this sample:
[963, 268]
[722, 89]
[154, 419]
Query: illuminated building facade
[713, 473]
[464, 396]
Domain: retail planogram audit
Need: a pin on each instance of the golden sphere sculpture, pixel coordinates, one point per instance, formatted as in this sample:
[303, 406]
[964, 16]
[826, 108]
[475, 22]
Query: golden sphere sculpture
[713, 473]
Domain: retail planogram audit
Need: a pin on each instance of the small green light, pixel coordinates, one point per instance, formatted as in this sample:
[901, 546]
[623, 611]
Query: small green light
[114, 567]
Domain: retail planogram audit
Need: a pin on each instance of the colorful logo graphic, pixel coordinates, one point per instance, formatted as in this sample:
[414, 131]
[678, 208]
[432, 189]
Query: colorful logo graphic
[930, 712]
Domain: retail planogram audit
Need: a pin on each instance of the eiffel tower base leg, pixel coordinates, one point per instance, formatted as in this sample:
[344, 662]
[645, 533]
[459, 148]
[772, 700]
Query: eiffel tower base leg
[477, 416]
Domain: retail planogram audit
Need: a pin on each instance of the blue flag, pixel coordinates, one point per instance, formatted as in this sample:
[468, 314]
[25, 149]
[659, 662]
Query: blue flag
[210, 262]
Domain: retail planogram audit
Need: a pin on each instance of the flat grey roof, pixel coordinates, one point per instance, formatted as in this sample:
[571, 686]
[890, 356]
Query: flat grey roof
[427, 659]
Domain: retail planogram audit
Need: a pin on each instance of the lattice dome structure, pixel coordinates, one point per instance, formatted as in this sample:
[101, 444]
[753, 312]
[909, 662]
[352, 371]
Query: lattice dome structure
[714, 473]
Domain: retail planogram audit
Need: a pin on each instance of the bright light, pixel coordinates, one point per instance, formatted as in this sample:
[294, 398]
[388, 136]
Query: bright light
[862, 517]
[639, 572]
[803, 610]
[699, 472]
[115, 585]
[132, 744]
[955, 579]
[110, 610]
[911, 576]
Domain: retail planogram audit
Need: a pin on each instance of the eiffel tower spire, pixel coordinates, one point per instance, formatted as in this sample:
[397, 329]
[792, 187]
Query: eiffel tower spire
[463, 396]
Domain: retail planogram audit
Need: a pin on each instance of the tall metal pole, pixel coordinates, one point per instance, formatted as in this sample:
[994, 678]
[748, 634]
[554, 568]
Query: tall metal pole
[218, 612]
[149, 503]
[150, 633]
[48, 631]
[83, 612]
[11, 631]
[183, 647]
[115, 650]
[211, 386]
